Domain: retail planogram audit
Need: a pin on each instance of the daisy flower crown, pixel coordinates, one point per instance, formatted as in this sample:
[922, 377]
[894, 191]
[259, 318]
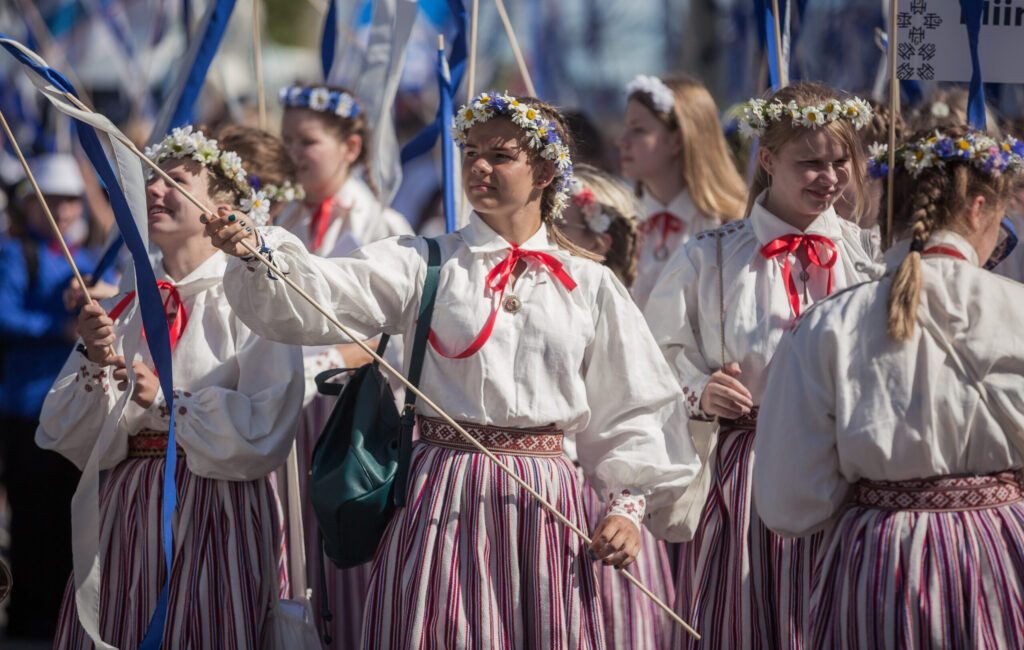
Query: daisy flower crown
[661, 95]
[542, 135]
[758, 114]
[319, 99]
[193, 145]
[598, 221]
[976, 148]
[283, 193]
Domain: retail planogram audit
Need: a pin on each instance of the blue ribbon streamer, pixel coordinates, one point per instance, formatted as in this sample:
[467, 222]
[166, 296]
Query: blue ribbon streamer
[972, 10]
[447, 146]
[211, 41]
[154, 322]
[329, 40]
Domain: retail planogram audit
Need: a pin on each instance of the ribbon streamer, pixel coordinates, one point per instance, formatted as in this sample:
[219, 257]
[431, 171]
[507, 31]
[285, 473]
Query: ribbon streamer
[972, 10]
[329, 39]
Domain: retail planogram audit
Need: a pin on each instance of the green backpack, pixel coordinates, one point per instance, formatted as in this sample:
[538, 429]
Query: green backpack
[360, 464]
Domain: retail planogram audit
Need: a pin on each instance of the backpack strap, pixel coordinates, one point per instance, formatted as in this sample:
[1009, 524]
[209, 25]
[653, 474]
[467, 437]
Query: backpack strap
[326, 387]
[419, 347]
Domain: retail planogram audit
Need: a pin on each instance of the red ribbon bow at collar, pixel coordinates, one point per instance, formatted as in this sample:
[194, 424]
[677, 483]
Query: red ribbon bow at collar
[788, 244]
[497, 280]
[670, 223]
[318, 224]
[175, 325]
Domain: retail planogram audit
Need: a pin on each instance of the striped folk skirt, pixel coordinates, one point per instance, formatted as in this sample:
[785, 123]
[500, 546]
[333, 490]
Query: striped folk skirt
[740, 585]
[473, 562]
[224, 574]
[631, 619]
[923, 578]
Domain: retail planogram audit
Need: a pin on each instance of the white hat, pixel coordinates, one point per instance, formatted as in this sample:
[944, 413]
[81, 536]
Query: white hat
[57, 174]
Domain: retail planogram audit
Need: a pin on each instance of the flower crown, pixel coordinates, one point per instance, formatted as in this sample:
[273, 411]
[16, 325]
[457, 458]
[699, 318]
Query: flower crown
[184, 143]
[981, 151]
[320, 99]
[284, 193]
[758, 114]
[542, 134]
[661, 95]
[597, 220]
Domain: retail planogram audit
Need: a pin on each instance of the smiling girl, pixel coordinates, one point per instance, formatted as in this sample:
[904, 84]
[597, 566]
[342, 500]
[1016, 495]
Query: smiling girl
[674, 149]
[531, 342]
[236, 401]
[744, 586]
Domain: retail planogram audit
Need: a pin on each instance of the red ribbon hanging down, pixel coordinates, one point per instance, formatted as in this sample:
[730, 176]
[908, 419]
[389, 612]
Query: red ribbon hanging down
[497, 280]
[318, 224]
[670, 223]
[176, 326]
[942, 250]
[788, 244]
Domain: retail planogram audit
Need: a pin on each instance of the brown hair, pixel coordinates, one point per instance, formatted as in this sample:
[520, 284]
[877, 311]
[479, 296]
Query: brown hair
[619, 203]
[781, 132]
[955, 101]
[343, 127]
[877, 130]
[709, 170]
[263, 156]
[933, 200]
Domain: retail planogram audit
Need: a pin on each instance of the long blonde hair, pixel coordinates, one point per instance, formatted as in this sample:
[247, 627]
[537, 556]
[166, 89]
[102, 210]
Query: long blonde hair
[619, 203]
[922, 205]
[709, 171]
[781, 132]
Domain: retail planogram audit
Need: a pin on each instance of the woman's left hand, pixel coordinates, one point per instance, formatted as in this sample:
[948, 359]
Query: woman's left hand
[228, 230]
[146, 382]
[616, 541]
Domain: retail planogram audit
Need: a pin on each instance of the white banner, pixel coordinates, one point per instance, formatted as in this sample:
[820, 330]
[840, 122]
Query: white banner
[931, 41]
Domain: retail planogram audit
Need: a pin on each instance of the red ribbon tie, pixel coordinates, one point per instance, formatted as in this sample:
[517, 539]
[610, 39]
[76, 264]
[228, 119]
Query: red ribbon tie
[787, 245]
[318, 224]
[175, 325]
[670, 223]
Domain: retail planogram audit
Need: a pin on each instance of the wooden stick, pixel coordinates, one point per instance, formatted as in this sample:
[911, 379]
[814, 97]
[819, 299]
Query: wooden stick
[523, 70]
[471, 72]
[894, 108]
[49, 217]
[778, 43]
[373, 354]
[261, 99]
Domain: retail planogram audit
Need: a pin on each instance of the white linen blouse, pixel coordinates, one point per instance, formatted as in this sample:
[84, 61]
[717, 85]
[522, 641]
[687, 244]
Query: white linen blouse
[237, 396]
[683, 310]
[649, 265]
[846, 402]
[582, 360]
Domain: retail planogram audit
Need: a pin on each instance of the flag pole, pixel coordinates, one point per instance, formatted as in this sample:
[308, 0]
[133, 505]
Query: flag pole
[520, 61]
[894, 108]
[261, 98]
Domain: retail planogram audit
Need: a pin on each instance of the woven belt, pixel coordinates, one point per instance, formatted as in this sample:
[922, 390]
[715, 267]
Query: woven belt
[148, 443]
[941, 494]
[545, 442]
[746, 422]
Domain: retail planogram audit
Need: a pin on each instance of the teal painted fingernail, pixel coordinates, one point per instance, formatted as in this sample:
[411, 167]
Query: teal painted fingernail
[241, 223]
[231, 218]
[248, 229]
[202, 218]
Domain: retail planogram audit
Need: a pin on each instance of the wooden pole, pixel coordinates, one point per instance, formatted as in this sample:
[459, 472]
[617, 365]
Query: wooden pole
[471, 71]
[261, 97]
[520, 61]
[373, 354]
[894, 109]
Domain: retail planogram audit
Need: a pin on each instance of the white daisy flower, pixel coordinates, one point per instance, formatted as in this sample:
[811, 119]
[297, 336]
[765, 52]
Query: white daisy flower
[878, 150]
[345, 105]
[318, 98]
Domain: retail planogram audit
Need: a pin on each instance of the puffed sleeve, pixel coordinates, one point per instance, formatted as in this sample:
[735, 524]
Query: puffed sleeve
[673, 314]
[371, 292]
[634, 402]
[798, 487]
[75, 409]
[239, 434]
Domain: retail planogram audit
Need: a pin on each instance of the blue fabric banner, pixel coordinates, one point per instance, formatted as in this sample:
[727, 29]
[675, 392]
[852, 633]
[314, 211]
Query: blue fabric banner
[972, 10]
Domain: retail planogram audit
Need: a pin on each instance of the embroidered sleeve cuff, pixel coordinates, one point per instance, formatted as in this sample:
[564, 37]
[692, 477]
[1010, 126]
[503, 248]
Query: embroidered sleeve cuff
[623, 503]
[92, 377]
[691, 400]
[158, 415]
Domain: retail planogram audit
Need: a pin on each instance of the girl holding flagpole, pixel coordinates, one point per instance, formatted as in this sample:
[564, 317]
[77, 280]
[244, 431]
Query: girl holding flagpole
[237, 399]
[892, 419]
[531, 342]
[718, 312]
[674, 149]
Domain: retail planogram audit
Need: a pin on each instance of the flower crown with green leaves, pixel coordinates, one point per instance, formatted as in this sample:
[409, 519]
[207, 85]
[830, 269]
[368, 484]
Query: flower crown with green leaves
[285, 193]
[976, 148]
[182, 142]
[542, 135]
[758, 114]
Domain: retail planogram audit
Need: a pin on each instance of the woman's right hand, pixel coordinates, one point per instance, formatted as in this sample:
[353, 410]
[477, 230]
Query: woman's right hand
[725, 396]
[228, 229]
[96, 329]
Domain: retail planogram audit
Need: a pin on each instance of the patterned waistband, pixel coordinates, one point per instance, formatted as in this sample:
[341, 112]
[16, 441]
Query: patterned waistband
[148, 443]
[545, 442]
[941, 494]
[746, 422]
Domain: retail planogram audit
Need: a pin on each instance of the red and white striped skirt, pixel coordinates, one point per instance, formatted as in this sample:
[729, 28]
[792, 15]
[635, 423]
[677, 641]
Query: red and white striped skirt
[631, 619]
[224, 574]
[472, 561]
[933, 563]
[740, 585]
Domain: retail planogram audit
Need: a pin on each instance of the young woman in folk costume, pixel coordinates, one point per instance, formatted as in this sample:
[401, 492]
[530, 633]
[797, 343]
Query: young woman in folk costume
[236, 400]
[718, 324]
[531, 341]
[674, 150]
[892, 420]
[602, 219]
